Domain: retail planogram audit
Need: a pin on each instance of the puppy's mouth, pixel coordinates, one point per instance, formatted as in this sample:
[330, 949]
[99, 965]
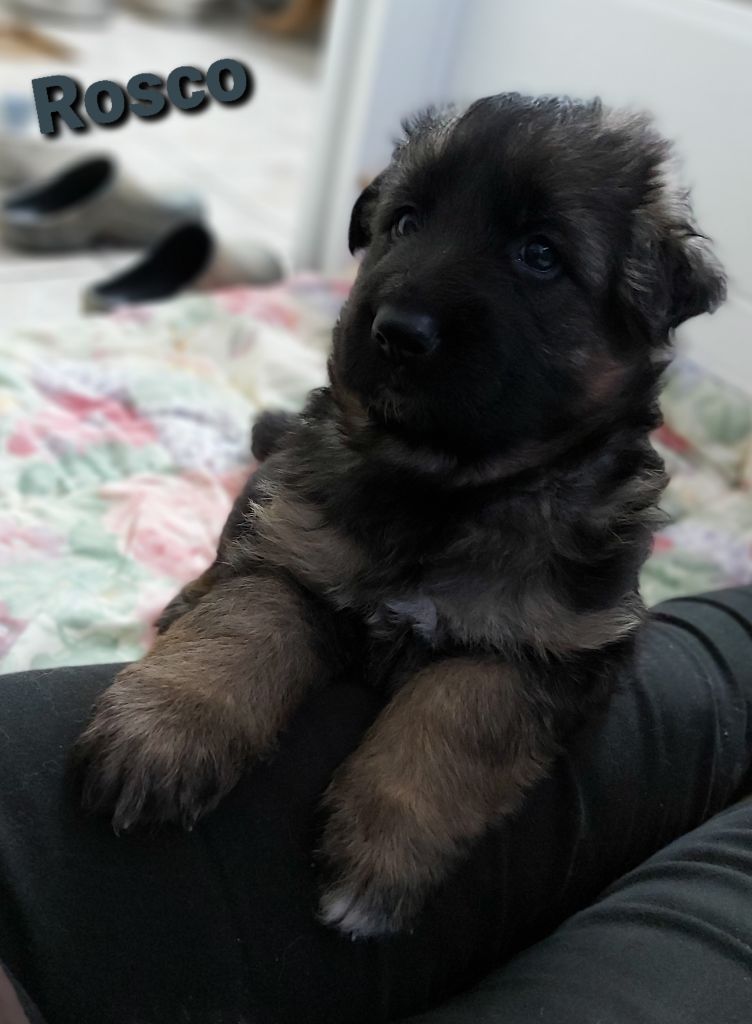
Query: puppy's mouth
[386, 408]
[386, 394]
[389, 392]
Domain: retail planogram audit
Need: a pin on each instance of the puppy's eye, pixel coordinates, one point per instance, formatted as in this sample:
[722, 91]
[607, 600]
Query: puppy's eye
[406, 222]
[539, 255]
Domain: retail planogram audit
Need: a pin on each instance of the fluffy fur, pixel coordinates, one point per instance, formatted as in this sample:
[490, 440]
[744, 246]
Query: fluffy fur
[463, 528]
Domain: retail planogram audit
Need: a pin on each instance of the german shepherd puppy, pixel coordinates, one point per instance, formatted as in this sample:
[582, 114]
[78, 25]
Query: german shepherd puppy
[459, 517]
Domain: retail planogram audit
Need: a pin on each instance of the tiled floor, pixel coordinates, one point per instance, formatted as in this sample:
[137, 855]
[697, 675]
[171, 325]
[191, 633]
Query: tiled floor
[246, 161]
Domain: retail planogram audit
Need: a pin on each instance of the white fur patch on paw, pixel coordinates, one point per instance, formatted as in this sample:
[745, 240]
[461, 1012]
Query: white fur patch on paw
[340, 908]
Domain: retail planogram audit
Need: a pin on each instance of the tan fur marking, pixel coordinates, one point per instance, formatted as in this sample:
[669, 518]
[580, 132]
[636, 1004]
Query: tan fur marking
[293, 534]
[454, 749]
[215, 689]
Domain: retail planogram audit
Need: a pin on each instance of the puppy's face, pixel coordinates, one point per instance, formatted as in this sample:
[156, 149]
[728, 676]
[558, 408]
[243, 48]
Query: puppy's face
[523, 263]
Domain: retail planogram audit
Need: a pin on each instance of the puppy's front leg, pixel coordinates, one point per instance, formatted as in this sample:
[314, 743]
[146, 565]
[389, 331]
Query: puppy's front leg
[171, 736]
[454, 750]
[189, 596]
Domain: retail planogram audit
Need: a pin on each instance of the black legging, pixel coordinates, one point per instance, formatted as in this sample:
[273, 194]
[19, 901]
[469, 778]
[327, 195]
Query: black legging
[217, 926]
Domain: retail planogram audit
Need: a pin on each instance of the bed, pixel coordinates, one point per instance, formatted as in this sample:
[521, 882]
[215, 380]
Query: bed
[125, 439]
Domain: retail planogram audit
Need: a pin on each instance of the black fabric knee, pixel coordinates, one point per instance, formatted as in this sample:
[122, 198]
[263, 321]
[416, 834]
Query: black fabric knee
[669, 943]
[219, 926]
[15, 1005]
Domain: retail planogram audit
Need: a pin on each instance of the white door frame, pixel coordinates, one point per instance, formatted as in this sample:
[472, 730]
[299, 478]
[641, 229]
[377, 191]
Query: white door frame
[383, 59]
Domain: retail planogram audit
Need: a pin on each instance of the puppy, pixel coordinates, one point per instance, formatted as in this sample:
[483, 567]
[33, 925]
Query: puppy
[459, 518]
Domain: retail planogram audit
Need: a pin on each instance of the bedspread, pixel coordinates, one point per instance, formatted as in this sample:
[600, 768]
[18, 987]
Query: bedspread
[125, 438]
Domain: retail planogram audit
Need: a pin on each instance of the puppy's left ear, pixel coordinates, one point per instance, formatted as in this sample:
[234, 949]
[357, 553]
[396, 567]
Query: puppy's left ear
[671, 273]
[359, 235]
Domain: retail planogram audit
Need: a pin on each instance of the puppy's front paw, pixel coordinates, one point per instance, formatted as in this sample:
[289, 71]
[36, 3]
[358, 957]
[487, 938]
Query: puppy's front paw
[155, 753]
[380, 862]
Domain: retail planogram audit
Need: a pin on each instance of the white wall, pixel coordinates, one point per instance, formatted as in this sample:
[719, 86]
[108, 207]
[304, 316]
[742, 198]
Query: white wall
[384, 59]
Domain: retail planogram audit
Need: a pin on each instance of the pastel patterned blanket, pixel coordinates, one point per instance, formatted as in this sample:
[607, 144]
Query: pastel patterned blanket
[124, 439]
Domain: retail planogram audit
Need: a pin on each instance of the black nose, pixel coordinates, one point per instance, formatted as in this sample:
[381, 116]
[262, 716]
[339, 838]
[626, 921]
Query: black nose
[403, 334]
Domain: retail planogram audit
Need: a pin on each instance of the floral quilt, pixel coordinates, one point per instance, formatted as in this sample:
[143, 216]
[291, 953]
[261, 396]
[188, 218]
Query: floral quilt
[706, 442]
[123, 441]
[125, 438]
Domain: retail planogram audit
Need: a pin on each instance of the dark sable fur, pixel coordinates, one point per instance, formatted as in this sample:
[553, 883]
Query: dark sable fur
[465, 529]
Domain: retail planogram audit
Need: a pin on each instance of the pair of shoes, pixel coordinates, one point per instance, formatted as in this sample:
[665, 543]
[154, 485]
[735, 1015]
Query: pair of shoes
[91, 202]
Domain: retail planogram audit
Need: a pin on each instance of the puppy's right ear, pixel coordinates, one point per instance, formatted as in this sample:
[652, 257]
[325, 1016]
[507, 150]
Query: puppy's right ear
[359, 235]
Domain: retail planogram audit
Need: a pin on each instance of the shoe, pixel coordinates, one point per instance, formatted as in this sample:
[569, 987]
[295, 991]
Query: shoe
[87, 203]
[188, 257]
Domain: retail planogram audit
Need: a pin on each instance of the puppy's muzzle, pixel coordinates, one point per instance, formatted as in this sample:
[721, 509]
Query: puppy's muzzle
[403, 334]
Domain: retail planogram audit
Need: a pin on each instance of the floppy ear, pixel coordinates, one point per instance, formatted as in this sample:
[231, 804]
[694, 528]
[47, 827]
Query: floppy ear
[671, 273]
[697, 283]
[359, 235]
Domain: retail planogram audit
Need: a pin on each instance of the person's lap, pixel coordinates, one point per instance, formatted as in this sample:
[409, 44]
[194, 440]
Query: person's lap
[219, 925]
[670, 943]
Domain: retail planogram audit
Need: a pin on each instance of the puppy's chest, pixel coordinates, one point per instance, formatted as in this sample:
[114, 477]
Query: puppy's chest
[444, 604]
[399, 582]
